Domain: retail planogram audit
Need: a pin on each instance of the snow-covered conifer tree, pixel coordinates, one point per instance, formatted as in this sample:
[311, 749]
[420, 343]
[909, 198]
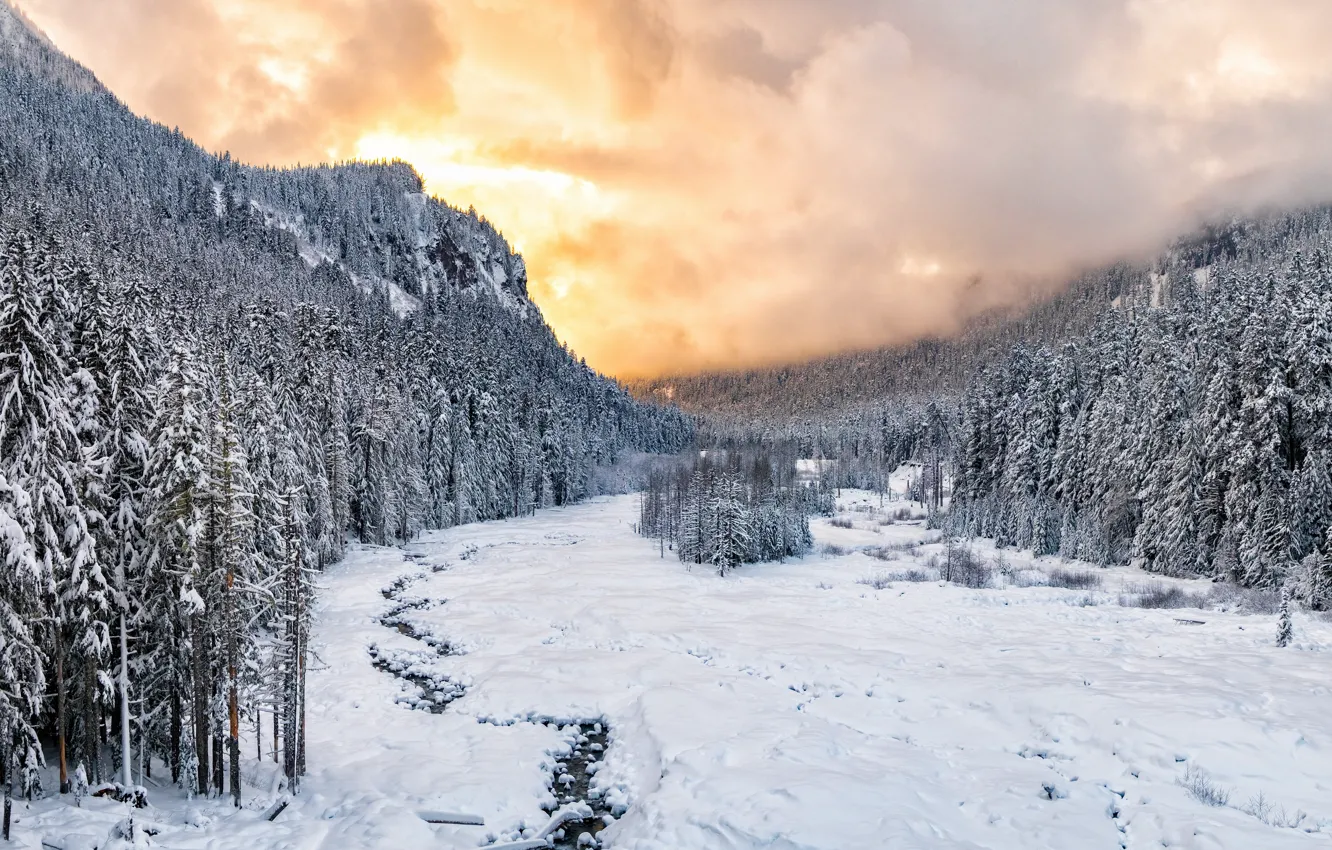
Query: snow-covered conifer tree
[1285, 627]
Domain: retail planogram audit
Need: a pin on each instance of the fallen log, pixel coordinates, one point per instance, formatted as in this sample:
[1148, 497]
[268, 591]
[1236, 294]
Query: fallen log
[452, 817]
[276, 809]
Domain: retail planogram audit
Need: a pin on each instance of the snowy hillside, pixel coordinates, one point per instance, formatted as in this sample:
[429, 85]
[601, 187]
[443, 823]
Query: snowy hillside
[823, 703]
[26, 46]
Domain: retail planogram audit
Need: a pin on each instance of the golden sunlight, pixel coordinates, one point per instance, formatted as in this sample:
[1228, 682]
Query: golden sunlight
[697, 184]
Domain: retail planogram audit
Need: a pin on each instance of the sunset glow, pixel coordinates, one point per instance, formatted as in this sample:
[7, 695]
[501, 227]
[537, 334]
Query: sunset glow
[700, 184]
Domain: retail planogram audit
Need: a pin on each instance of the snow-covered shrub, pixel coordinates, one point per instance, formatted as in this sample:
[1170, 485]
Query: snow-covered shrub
[1203, 788]
[1156, 594]
[892, 551]
[1272, 815]
[915, 576]
[79, 785]
[879, 581]
[1024, 578]
[882, 553]
[841, 522]
[960, 565]
[135, 795]
[1074, 579]
[1248, 600]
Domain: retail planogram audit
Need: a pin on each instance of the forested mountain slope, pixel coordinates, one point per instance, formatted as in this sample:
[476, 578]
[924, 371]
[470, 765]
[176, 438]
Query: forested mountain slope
[1192, 434]
[210, 375]
[936, 368]
[1176, 414]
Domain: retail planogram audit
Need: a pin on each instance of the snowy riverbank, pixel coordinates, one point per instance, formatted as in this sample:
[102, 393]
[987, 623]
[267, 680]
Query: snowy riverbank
[788, 705]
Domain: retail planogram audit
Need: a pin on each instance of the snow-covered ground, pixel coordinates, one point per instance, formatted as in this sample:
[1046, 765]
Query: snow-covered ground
[785, 706]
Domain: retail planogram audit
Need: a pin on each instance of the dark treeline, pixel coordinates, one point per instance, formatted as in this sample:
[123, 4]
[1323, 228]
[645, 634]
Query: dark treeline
[859, 448]
[210, 376]
[726, 509]
[1192, 435]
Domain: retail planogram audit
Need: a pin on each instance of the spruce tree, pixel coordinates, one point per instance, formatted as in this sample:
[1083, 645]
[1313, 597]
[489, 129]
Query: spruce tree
[1285, 627]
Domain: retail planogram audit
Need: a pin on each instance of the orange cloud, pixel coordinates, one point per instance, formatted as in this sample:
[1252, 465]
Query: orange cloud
[700, 183]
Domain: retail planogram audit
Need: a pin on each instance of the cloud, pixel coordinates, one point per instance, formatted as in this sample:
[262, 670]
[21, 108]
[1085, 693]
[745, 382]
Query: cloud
[701, 183]
[275, 82]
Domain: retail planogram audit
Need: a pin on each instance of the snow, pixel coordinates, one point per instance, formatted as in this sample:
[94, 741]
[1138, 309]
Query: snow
[494, 274]
[400, 301]
[810, 470]
[787, 705]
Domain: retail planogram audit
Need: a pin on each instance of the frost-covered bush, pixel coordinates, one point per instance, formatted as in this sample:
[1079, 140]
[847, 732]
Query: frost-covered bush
[882, 553]
[1203, 788]
[960, 565]
[879, 581]
[1248, 600]
[1271, 814]
[892, 551]
[1074, 579]
[1159, 595]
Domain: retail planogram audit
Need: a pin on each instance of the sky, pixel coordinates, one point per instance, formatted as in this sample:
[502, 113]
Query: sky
[702, 184]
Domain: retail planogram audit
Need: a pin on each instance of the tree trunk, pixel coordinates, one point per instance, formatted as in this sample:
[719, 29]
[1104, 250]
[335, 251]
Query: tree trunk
[92, 725]
[5, 780]
[219, 764]
[300, 707]
[125, 777]
[175, 735]
[233, 696]
[62, 722]
[200, 702]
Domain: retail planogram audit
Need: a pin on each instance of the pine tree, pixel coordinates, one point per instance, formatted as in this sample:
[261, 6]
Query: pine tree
[43, 408]
[295, 615]
[22, 676]
[229, 488]
[177, 562]
[1318, 579]
[733, 543]
[1285, 628]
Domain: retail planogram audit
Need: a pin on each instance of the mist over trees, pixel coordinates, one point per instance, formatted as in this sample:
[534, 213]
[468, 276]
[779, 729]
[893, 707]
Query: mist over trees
[1176, 415]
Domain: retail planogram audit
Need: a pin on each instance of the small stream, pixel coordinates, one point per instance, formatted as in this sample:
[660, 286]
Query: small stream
[431, 690]
[571, 783]
[571, 779]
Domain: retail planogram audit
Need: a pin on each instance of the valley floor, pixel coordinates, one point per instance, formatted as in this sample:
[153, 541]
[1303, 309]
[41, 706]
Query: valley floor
[785, 706]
